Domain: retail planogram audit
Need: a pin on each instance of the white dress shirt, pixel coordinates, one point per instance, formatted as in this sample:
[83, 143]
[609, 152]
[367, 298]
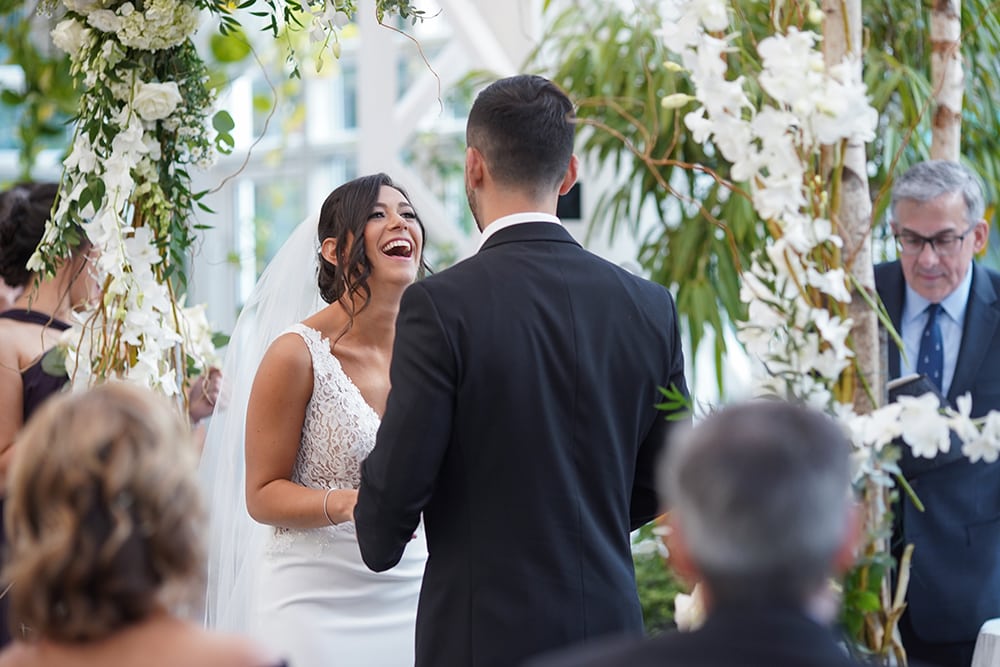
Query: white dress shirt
[514, 219]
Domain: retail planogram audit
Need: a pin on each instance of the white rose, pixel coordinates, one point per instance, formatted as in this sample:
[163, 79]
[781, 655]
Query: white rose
[71, 36]
[155, 101]
[105, 20]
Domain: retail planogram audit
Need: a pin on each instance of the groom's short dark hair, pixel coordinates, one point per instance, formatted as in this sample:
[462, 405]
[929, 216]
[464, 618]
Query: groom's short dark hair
[523, 126]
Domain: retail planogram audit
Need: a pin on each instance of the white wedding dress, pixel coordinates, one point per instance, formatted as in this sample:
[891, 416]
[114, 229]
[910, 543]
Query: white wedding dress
[316, 604]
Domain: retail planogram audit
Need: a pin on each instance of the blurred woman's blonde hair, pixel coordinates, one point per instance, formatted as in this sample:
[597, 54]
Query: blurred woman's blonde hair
[103, 515]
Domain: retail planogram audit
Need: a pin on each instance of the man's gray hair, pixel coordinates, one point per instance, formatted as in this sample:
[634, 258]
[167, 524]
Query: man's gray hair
[929, 180]
[761, 491]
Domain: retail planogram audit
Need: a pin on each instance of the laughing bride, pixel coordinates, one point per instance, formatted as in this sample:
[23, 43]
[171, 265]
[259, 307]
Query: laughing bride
[311, 412]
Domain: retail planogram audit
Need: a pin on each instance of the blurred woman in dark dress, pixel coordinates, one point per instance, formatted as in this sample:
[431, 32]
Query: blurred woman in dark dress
[32, 325]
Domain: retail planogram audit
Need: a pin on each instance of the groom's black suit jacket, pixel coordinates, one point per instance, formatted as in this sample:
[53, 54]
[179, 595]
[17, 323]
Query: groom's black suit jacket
[521, 423]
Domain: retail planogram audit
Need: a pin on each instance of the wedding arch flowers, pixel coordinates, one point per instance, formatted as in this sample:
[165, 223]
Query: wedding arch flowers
[144, 106]
[146, 117]
[772, 127]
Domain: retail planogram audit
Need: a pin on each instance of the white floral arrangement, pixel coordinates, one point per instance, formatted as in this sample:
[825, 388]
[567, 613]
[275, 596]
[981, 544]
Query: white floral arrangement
[796, 289]
[801, 340]
[144, 110]
[146, 116]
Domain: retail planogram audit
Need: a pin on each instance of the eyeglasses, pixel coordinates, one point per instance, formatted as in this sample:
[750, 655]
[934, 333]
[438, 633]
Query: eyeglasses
[943, 245]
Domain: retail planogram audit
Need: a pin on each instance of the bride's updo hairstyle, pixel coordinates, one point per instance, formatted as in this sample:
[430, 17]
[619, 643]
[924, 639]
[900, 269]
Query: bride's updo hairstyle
[343, 218]
[103, 515]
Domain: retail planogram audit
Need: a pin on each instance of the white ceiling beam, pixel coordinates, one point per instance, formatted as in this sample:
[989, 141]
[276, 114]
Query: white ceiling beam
[475, 33]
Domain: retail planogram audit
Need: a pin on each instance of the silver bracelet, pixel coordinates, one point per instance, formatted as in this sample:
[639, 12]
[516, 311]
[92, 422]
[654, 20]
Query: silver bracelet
[326, 513]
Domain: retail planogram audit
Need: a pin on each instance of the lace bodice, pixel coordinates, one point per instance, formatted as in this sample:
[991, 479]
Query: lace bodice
[340, 427]
[337, 434]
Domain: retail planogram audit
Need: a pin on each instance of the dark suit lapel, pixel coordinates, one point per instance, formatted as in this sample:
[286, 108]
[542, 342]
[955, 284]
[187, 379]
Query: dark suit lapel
[893, 290]
[981, 320]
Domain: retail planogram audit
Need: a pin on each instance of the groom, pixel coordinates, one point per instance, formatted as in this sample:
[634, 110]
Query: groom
[522, 420]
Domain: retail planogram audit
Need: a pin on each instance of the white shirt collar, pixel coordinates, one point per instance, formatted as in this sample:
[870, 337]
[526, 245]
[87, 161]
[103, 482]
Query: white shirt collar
[514, 219]
[953, 305]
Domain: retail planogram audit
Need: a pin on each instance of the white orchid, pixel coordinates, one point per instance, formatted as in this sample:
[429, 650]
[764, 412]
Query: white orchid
[879, 427]
[82, 158]
[803, 349]
[923, 428]
[689, 610]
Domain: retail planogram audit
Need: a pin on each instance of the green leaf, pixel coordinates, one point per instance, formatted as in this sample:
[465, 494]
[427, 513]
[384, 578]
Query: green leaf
[865, 601]
[54, 362]
[11, 98]
[223, 122]
[677, 404]
[232, 47]
[225, 144]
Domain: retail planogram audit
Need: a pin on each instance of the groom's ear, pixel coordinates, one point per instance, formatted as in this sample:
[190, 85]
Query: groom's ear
[475, 168]
[569, 179]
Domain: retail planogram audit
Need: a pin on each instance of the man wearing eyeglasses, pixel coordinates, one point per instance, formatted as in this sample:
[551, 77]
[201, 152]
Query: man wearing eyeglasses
[946, 310]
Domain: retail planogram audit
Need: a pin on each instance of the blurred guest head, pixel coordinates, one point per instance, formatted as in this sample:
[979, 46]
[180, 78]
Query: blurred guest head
[760, 503]
[103, 514]
[24, 211]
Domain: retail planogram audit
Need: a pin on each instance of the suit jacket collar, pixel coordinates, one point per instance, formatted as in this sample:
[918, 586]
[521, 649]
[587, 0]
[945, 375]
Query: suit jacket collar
[529, 231]
[981, 320]
[892, 289]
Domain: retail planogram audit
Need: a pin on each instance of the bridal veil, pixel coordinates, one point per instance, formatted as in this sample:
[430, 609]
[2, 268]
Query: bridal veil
[286, 293]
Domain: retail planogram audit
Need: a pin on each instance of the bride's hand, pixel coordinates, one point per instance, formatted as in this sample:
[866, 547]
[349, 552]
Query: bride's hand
[203, 394]
[338, 505]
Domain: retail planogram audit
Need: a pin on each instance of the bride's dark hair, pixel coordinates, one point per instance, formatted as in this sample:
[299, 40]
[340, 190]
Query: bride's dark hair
[343, 218]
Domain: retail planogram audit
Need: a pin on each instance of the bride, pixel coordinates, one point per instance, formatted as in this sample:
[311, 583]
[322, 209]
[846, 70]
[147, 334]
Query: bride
[313, 409]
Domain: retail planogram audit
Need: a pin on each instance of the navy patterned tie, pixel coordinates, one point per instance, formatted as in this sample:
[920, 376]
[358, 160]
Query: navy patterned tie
[930, 361]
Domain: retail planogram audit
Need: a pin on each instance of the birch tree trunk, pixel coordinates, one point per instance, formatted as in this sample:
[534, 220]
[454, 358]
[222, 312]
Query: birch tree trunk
[947, 79]
[842, 36]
